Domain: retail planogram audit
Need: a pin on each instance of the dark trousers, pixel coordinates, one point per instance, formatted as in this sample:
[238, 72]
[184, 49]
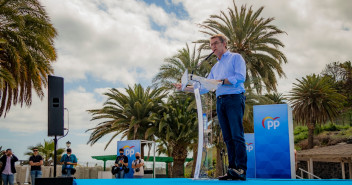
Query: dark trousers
[120, 174]
[230, 110]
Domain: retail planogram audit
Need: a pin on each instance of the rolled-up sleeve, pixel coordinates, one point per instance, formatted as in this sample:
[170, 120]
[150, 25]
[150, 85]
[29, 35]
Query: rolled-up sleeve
[239, 66]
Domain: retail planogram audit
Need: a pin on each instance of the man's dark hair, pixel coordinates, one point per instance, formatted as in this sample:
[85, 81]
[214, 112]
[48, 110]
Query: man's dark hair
[35, 148]
[121, 150]
[8, 149]
[69, 150]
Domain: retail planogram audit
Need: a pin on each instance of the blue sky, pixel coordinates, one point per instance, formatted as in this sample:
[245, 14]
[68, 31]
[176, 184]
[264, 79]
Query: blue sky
[104, 44]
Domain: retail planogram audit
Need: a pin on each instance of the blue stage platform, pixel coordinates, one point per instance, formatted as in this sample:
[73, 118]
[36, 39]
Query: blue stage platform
[172, 181]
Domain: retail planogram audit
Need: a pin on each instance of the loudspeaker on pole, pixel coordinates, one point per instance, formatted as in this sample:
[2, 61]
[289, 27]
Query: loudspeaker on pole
[55, 106]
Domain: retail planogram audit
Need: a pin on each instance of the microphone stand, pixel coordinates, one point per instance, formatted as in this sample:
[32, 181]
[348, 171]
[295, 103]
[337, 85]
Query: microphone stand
[200, 63]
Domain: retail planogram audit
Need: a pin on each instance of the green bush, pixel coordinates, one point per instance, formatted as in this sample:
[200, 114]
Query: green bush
[300, 133]
[332, 127]
[300, 137]
[300, 129]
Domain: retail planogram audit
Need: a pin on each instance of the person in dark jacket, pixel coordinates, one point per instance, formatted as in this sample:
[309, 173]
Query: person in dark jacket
[121, 163]
[8, 167]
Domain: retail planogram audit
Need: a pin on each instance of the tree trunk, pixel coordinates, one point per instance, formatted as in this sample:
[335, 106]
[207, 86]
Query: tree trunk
[142, 150]
[179, 154]
[195, 151]
[219, 163]
[178, 167]
[311, 127]
[169, 166]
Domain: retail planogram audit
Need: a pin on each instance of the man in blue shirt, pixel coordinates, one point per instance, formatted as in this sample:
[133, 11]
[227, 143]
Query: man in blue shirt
[231, 71]
[67, 161]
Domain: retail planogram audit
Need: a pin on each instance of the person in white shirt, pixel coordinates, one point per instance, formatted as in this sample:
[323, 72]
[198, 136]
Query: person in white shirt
[137, 166]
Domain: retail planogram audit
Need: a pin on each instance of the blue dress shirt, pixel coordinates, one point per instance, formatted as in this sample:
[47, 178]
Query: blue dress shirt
[233, 67]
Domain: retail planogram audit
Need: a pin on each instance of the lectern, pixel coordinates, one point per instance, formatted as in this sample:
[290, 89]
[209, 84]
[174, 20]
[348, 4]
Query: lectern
[201, 85]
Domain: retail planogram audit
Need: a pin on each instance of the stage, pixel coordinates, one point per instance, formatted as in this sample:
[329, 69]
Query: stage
[184, 181]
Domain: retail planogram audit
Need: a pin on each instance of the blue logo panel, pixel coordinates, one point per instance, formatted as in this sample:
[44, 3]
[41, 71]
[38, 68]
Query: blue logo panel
[250, 148]
[131, 147]
[274, 141]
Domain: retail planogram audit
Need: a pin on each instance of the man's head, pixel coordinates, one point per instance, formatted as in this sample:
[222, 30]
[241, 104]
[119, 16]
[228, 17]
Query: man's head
[121, 151]
[218, 44]
[9, 152]
[69, 151]
[138, 155]
[35, 151]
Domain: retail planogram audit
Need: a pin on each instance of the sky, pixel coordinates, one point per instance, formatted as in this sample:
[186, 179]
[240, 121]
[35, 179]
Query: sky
[103, 44]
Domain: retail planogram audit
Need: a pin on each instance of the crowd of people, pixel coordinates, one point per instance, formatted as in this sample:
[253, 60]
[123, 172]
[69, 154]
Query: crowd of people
[68, 161]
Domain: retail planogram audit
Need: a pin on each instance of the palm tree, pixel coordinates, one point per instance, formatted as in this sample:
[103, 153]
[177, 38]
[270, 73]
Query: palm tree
[347, 80]
[176, 126]
[252, 99]
[127, 114]
[277, 98]
[47, 152]
[314, 101]
[255, 39]
[26, 51]
[174, 67]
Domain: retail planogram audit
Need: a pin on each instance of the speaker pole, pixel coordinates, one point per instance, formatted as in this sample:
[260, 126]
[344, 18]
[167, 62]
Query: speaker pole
[55, 155]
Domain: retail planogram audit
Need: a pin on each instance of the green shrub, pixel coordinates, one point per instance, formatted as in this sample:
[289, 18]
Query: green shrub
[300, 133]
[330, 127]
[300, 137]
[300, 129]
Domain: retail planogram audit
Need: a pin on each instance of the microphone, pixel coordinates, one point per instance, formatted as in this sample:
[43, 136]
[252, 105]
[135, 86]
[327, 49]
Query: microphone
[205, 59]
[202, 62]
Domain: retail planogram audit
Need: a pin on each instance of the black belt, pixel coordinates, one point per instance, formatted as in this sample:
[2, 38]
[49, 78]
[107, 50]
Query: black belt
[227, 95]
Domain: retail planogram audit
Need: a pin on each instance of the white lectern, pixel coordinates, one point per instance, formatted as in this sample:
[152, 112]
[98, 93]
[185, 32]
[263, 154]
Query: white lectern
[201, 85]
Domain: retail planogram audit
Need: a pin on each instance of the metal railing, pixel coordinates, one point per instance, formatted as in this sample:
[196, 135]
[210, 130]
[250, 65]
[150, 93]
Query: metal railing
[310, 175]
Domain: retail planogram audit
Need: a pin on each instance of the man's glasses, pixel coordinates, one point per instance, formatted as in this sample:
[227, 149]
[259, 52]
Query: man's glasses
[214, 43]
[35, 150]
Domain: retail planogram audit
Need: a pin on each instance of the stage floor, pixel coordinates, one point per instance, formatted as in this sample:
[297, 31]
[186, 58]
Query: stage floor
[183, 181]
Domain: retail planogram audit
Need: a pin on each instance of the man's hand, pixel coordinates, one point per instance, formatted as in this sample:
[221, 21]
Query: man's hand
[178, 86]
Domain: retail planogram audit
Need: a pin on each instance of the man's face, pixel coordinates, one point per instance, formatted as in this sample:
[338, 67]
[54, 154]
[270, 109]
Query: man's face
[217, 46]
[121, 152]
[138, 155]
[9, 152]
[35, 151]
[69, 153]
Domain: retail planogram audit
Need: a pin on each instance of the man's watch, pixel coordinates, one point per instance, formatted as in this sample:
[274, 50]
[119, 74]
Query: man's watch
[223, 81]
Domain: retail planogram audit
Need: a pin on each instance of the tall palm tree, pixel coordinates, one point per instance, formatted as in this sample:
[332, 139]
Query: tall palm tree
[255, 38]
[174, 67]
[347, 80]
[127, 114]
[177, 127]
[314, 101]
[277, 98]
[26, 51]
[46, 150]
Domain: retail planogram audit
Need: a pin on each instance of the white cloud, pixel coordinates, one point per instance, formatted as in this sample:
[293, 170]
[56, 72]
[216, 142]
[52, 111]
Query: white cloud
[35, 118]
[116, 45]
[84, 152]
[27, 119]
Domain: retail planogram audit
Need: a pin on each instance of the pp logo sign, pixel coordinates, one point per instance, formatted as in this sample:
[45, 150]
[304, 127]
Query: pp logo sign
[129, 151]
[272, 123]
[249, 147]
